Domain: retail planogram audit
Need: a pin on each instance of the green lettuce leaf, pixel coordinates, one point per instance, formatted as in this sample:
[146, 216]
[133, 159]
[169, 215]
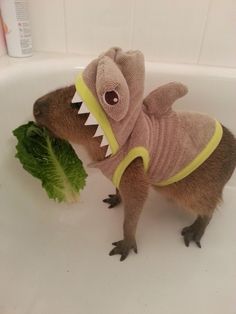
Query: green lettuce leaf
[51, 160]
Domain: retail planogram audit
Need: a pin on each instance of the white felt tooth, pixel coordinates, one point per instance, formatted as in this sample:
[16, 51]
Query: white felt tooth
[91, 120]
[104, 142]
[83, 109]
[99, 132]
[108, 151]
[76, 98]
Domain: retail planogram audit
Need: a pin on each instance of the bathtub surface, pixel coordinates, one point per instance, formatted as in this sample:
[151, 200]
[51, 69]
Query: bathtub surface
[54, 257]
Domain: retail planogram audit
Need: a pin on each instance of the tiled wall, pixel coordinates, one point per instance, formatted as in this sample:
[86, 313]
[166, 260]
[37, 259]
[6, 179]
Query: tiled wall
[182, 31]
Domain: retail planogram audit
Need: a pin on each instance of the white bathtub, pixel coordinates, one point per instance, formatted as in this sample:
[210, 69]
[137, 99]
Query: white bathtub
[54, 257]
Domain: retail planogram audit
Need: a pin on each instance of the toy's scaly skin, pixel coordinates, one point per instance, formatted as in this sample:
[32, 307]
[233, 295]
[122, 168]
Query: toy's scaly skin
[56, 113]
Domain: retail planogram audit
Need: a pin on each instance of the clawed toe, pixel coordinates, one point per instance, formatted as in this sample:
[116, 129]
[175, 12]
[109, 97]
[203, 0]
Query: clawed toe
[113, 200]
[123, 248]
[195, 232]
[190, 234]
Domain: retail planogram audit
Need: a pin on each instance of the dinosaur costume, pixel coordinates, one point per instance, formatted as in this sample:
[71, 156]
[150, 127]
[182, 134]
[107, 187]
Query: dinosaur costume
[171, 144]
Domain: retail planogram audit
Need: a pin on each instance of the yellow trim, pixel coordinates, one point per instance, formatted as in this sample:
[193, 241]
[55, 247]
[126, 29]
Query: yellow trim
[205, 153]
[132, 154]
[95, 108]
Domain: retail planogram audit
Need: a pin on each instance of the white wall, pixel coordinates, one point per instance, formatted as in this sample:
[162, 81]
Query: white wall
[182, 31]
[2, 42]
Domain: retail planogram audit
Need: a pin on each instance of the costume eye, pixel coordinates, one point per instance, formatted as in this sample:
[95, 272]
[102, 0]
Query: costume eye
[111, 98]
[76, 105]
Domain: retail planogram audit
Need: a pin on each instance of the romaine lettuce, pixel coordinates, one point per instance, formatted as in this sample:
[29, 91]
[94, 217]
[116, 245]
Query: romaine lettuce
[51, 160]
